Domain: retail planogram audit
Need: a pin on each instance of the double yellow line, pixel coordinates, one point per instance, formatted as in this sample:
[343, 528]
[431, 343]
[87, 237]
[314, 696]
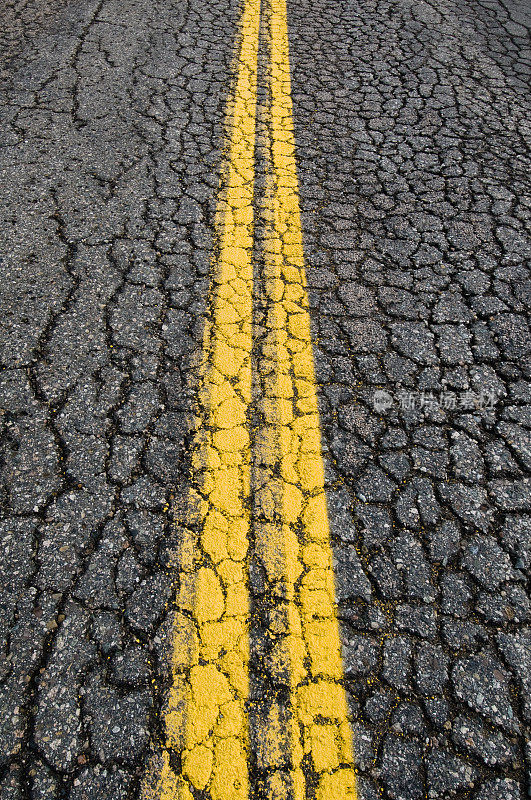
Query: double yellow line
[261, 495]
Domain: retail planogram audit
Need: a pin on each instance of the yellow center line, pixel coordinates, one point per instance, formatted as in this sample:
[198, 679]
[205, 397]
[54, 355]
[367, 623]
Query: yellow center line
[205, 717]
[206, 743]
[293, 539]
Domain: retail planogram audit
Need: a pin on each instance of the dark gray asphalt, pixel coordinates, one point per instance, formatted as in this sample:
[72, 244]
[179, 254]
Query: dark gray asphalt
[413, 134]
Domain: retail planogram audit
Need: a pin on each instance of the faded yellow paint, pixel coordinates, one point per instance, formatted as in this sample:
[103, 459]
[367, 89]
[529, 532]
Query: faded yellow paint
[296, 551]
[205, 720]
[205, 717]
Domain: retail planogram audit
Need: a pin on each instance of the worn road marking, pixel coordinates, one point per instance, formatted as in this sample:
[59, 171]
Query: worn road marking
[291, 522]
[206, 720]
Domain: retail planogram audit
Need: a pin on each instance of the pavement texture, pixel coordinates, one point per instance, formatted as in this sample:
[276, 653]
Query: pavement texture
[412, 142]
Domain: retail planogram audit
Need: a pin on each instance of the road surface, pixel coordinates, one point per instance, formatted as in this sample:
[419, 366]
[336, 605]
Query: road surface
[265, 449]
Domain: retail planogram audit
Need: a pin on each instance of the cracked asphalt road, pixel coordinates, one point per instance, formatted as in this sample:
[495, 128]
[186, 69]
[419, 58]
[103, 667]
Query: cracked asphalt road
[412, 143]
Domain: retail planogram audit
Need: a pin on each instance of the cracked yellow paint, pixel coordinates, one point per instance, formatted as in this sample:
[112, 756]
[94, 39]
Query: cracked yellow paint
[292, 536]
[207, 728]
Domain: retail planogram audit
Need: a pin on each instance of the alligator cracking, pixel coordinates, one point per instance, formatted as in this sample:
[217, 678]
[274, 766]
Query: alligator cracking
[257, 710]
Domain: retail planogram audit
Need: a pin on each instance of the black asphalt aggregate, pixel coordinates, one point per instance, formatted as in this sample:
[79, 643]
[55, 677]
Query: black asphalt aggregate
[412, 128]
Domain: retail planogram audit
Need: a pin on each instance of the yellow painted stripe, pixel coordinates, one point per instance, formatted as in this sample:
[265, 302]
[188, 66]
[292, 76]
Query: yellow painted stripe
[292, 538]
[206, 728]
[205, 719]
